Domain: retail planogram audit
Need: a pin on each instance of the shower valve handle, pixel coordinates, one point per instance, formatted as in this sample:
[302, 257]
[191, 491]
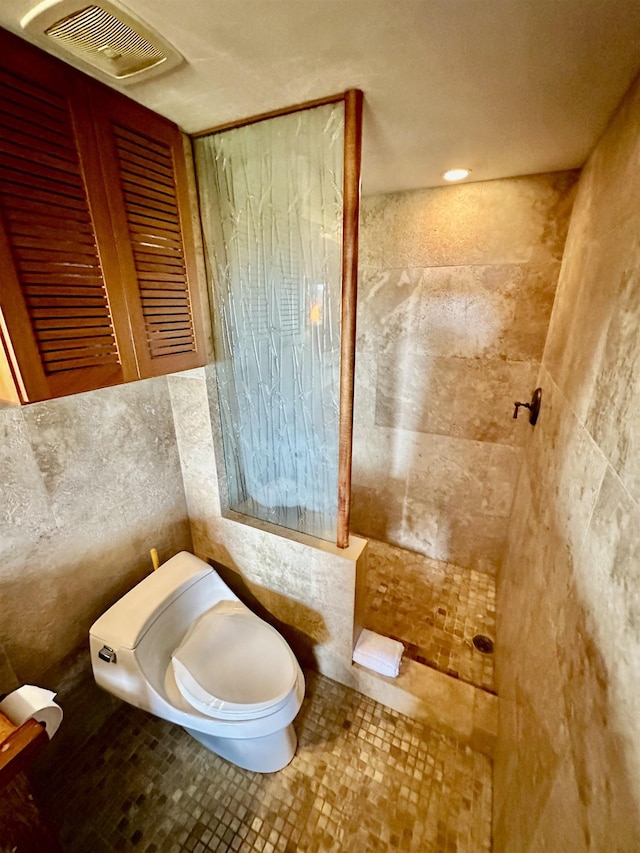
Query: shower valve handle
[533, 406]
[517, 408]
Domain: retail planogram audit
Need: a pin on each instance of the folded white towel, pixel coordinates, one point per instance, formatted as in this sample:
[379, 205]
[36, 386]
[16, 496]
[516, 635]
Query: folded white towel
[381, 654]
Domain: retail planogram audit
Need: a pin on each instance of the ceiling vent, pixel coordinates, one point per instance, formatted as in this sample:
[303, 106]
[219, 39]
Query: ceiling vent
[105, 36]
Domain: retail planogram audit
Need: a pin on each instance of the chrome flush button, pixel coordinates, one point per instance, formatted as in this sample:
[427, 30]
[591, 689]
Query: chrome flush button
[107, 654]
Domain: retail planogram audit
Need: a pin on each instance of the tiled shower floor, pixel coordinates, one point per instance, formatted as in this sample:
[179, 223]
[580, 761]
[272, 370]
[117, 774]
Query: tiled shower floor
[434, 608]
[364, 778]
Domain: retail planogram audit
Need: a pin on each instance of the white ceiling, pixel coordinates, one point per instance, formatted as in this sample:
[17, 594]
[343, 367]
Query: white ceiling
[503, 87]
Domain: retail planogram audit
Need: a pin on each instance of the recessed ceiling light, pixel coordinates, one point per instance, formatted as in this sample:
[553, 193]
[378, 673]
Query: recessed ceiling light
[456, 174]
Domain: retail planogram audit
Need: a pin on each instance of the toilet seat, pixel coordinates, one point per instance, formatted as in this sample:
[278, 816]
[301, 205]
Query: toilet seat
[233, 665]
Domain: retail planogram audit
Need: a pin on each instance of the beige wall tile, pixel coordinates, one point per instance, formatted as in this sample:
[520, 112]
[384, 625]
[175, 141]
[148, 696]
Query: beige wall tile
[602, 752]
[483, 409]
[477, 541]
[417, 392]
[8, 679]
[568, 466]
[462, 397]
[471, 476]
[89, 484]
[581, 318]
[612, 418]
[371, 231]
[466, 311]
[611, 182]
[560, 826]
[456, 289]
[25, 512]
[90, 448]
[194, 437]
[569, 589]
[487, 311]
[379, 511]
[509, 221]
[534, 763]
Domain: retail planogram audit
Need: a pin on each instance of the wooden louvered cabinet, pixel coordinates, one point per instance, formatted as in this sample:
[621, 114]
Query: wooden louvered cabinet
[96, 247]
[142, 158]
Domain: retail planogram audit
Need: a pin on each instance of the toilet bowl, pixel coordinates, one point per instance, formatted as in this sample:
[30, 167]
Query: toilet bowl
[181, 645]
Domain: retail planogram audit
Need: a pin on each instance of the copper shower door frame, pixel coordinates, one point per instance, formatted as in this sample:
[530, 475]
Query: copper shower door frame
[353, 101]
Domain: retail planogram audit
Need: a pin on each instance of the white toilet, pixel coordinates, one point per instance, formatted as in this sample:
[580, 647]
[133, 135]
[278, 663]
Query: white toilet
[181, 645]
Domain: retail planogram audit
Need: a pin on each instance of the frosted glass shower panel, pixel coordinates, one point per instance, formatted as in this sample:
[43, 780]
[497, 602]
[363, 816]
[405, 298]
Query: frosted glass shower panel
[271, 199]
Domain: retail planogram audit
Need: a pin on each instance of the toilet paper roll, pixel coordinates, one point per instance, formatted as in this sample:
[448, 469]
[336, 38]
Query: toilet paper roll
[31, 702]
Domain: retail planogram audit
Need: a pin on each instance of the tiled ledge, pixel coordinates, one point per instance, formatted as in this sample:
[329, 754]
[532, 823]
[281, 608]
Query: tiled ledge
[444, 703]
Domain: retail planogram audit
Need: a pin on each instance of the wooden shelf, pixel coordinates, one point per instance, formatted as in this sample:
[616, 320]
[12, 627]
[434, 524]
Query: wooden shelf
[18, 747]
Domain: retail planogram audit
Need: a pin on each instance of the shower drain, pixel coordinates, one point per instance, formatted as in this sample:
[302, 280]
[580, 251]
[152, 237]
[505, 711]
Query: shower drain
[483, 644]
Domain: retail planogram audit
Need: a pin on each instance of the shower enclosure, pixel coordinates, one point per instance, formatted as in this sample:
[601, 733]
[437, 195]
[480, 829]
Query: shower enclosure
[279, 206]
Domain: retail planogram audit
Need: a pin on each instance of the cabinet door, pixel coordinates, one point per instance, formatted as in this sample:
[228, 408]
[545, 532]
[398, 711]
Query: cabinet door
[143, 162]
[61, 330]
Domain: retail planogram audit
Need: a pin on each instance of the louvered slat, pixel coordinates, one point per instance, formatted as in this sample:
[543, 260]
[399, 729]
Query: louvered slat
[33, 238]
[44, 290]
[140, 217]
[41, 184]
[31, 212]
[153, 219]
[61, 334]
[162, 279]
[82, 326]
[36, 257]
[76, 362]
[138, 165]
[62, 345]
[47, 221]
[152, 199]
[129, 139]
[160, 179]
[17, 133]
[157, 236]
[24, 118]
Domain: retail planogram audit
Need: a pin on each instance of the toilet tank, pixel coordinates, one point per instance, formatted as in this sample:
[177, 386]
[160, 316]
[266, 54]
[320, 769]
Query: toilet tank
[127, 621]
[131, 644]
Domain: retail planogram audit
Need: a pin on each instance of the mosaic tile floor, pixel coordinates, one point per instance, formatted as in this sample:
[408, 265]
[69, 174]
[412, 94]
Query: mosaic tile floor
[434, 608]
[364, 779]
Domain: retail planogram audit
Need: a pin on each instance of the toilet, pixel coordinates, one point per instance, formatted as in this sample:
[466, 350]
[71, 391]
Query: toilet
[181, 645]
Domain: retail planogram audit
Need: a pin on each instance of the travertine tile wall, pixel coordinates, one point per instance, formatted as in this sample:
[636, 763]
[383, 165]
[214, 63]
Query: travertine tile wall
[88, 484]
[567, 773]
[455, 294]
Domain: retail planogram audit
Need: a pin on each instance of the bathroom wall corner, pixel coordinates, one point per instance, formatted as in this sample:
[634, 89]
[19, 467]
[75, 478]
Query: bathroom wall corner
[86, 708]
[203, 290]
[359, 616]
[189, 394]
[8, 679]
[567, 768]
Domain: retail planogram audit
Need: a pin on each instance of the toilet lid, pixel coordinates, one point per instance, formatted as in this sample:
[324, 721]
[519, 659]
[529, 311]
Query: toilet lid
[231, 664]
